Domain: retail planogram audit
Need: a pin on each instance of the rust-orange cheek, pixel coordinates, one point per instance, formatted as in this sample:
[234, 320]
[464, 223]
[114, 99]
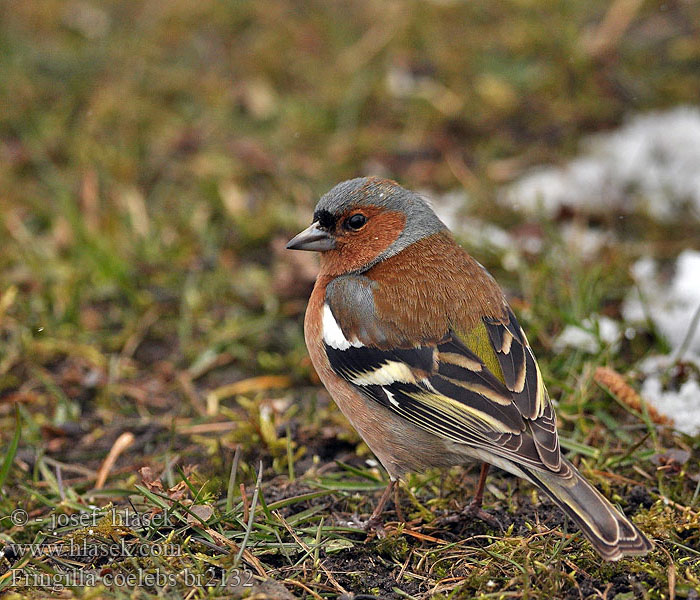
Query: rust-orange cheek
[355, 250]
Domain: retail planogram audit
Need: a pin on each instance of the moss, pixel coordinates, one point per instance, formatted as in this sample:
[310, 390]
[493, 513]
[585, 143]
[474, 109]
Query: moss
[154, 159]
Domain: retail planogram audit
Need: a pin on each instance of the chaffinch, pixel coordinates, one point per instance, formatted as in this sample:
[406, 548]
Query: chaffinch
[417, 345]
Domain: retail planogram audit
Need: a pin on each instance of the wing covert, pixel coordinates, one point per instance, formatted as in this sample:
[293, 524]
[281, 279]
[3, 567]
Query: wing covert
[522, 377]
[442, 387]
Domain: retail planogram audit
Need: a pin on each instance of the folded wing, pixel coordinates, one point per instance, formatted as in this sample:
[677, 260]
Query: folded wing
[443, 386]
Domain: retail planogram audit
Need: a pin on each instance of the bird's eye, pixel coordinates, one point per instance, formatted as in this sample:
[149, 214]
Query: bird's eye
[356, 221]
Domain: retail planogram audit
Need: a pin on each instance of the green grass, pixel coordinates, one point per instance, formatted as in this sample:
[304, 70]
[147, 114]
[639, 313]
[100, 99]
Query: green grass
[153, 159]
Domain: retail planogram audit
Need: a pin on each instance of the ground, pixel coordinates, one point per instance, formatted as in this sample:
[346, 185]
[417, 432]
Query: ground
[163, 431]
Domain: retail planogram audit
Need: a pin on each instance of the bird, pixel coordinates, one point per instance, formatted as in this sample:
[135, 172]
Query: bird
[419, 348]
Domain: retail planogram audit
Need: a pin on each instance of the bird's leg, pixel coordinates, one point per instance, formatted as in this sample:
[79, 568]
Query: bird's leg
[375, 519]
[397, 504]
[473, 509]
[478, 500]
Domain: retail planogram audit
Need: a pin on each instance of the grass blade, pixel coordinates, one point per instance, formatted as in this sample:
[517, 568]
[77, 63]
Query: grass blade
[12, 450]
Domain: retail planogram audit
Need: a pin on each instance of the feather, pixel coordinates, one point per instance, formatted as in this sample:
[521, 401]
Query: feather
[522, 377]
[444, 386]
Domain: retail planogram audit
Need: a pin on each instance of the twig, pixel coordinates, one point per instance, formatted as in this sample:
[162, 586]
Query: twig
[416, 534]
[246, 507]
[59, 482]
[676, 505]
[610, 31]
[404, 566]
[671, 574]
[122, 443]
[642, 472]
[303, 587]
[142, 327]
[185, 382]
[69, 468]
[461, 171]
[215, 427]
[245, 386]
[290, 454]
[356, 56]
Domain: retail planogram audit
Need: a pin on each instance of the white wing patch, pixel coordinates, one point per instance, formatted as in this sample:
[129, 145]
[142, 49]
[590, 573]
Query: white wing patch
[333, 335]
[390, 372]
[391, 398]
[428, 385]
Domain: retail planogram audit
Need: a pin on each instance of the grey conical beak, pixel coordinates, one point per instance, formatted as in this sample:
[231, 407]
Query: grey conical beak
[312, 238]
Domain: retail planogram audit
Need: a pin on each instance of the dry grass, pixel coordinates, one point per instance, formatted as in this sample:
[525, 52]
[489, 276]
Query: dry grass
[153, 159]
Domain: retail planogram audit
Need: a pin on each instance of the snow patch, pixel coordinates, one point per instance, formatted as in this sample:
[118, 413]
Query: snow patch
[587, 242]
[670, 304]
[651, 163]
[680, 402]
[452, 209]
[594, 333]
[682, 405]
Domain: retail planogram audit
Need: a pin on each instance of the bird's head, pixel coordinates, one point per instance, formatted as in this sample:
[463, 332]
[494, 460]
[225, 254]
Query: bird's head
[363, 221]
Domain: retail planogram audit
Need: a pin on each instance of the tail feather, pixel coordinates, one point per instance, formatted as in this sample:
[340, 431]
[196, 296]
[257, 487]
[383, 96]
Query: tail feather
[611, 533]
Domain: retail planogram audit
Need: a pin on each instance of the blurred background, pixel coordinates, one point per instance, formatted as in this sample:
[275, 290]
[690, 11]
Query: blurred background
[156, 156]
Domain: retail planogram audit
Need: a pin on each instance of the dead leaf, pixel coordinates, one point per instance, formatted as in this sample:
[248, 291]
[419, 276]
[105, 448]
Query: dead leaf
[150, 480]
[200, 512]
[178, 492]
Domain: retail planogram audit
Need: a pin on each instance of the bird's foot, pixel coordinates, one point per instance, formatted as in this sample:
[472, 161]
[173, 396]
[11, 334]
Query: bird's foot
[373, 526]
[473, 511]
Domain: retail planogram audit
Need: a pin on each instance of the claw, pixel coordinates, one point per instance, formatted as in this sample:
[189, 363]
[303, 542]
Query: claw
[473, 509]
[375, 524]
[476, 512]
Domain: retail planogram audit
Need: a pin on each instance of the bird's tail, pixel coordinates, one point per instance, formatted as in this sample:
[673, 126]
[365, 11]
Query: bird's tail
[611, 533]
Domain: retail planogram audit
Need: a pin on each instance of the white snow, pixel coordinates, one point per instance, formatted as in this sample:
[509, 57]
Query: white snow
[453, 209]
[682, 405]
[585, 241]
[670, 304]
[448, 206]
[595, 332]
[651, 163]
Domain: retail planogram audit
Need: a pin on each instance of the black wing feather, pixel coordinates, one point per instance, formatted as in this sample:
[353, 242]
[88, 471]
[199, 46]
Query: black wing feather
[444, 387]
